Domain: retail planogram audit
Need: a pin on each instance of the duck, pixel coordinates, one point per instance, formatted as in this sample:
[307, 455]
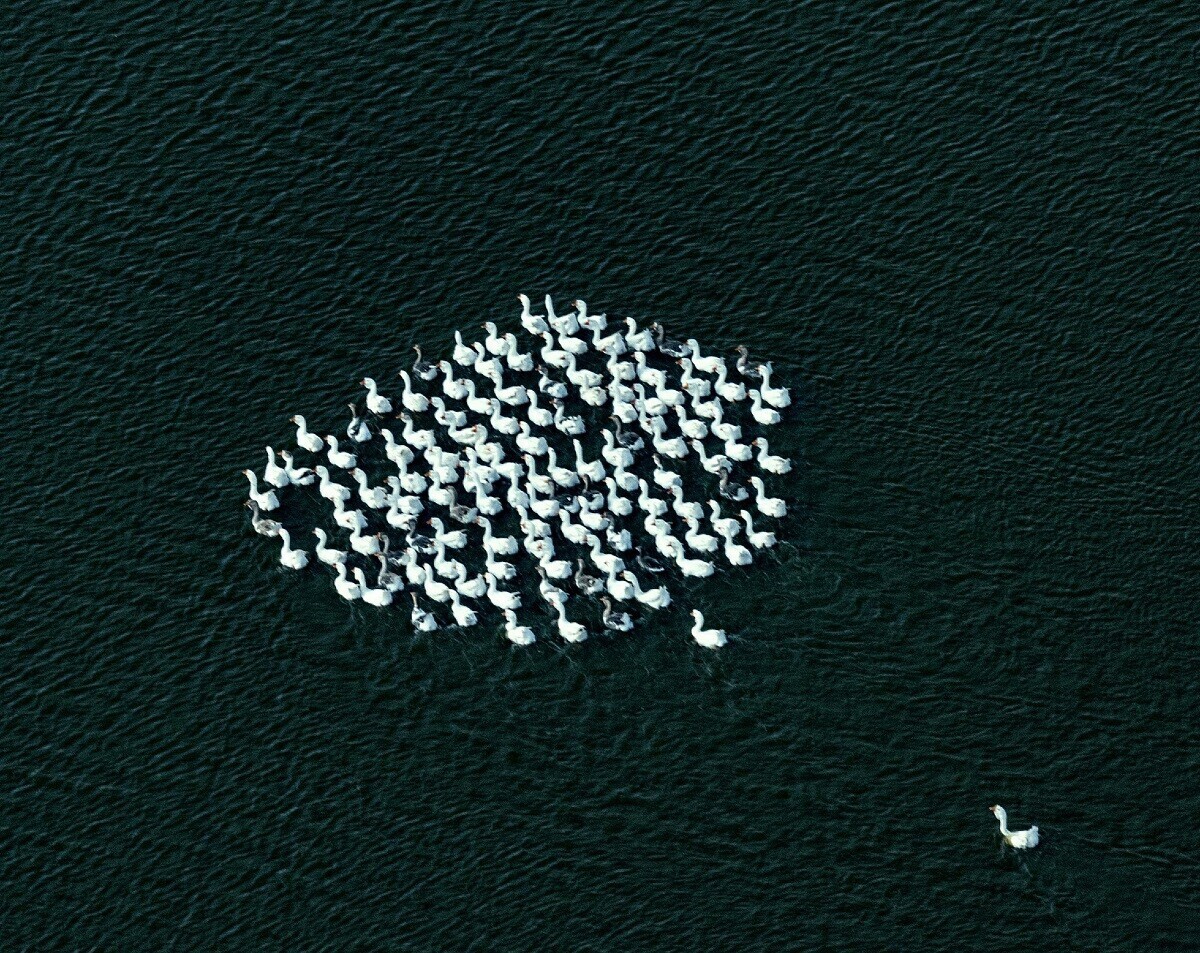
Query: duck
[357, 430]
[462, 355]
[266, 500]
[305, 438]
[345, 588]
[767, 505]
[376, 402]
[422, 621]
[769, 462]
[288, 557]
[262, 525]
[745, 368]
[330, 557]
[708, 638]
[330, 489]
[764, 415]
[298, 476]
[615, 621]
[426, 370]
[779, 397]
[340, 458]
[273, 473]
[668, 346]
[1022, 840]
[517, 634]
[533, 323]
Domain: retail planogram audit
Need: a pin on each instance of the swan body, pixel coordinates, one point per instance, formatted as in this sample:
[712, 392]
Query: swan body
[1022, 840]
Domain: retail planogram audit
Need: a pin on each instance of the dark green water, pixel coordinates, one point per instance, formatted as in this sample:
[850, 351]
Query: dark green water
[969, 238]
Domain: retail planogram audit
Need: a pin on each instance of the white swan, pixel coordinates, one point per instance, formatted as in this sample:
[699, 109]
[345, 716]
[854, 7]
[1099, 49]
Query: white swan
[266, 500]
[291, 558]
[305, 438]
[1022, 840]
[709, 638]
[376, 402]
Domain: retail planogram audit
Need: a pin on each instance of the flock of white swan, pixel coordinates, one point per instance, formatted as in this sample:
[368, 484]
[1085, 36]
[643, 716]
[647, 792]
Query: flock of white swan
[490, 465]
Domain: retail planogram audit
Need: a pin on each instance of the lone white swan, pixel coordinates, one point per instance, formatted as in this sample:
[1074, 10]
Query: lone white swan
[1019, 839]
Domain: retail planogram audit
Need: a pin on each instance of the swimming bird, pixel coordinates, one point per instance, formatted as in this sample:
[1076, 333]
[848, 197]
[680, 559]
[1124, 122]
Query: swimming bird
[769, 462]
[273, 473]
[745, 368]
[709, 638]
[262, 525]
[668, 346]
[775, 396]
[357, 430]
[767, 505]
[289, 557]
[376, 402]
[330, 557]
[764, 415]
[345, 588]
[1022, 840]
[297, 476]
[615, 621]
[266, 500]
[340, 458]
[305, 438]
[517, 634]
[426, 370]
[422, 621]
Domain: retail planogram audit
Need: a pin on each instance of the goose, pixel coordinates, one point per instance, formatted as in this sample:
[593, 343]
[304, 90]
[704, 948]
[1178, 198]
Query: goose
[739, 452]
[708, 638]
[261, 525]
[453, 387]
[570, 631]
[572, 532]
[552, 355]
[538, 416]
[563, 476]
[494, 342]
[551, 388]
[353, 520]
[745, 368]
[587, 584]
[437, 591]
[305, 438]
[452, 539]
[515, 396]
[464, 616]
[447, 568]
[708, 409]
[330, 489]
[619, 540]
[656, 526]
[476, 404]
[613, 344]
[288, 557]
[769, 462]
[714, 464]
[626, 480]
[581, 378]
[530, 445]
[472, 588]
[398, 453]
[330, 557]
[417, 439]
[376, 402]
[665, 478]
[545, 509]
[636, 340]
[593, 322]
[379, 597]
[266, 500]
[422, 621]
[759, 540]
[701, 542]
[562, 323]
[273, 473]
[373, 496]
[657, 598]
[484, 366]
[775, 396]
[620, 371]
[340, 458]
[515, 358]
[498, 569]
[732, 491]
[476, 434]
[398, 515]
[630, 441]
[767, 505]
[727, 390]
[616, 456]
[1022, 840]
[617, 504]
[426, 370]
[420, 543]
[486, 505]
[685, 509]
[496, 545]
[668, 346]
[439, 493]
[615, 621]
[517, 634]
[605, 562]
[669, 546]
[501, 599]
[596, 522]
[736, 553]
[764, 415]
[556, 568]
[571, 426]
[413, 401]
[300, 476]
[675, 447]
[576, 347]
[650, 504]
[723, 431]
[722, 524]
[695, 386]
[650, 406]
[696, 568]
[647, 374]
[366, 545]
[624, 411]
[357, 430]
[461, 513]
[619, 588]
[692, 429]
[591, 469]
[463, 356]
[345, 588]
[533, 323]
[705, 365]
